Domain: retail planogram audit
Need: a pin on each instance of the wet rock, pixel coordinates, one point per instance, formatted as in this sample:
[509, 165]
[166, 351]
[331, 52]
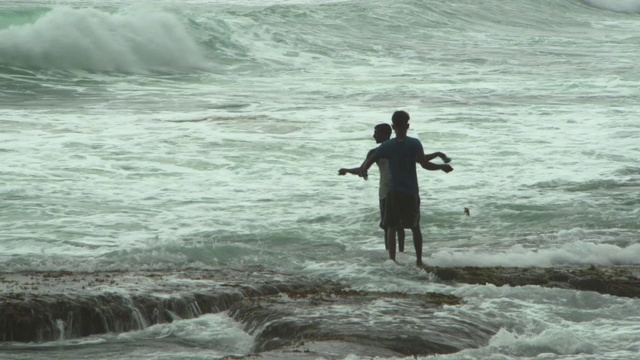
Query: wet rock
[33, 318]
[289, 316]
[612, 280]
[39, 307]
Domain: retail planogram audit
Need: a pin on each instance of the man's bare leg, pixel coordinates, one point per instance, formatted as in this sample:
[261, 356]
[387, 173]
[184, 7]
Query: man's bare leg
[401, 239]
[391, 242]
[386, 239]
[417, 243]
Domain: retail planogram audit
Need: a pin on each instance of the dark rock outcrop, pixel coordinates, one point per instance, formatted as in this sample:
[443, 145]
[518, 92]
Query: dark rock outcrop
[39, 307]
[612, 280]
[290, 317]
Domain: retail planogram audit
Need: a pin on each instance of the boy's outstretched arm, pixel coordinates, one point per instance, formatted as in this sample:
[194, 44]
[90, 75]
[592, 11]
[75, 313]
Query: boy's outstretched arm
[356, 171]
[353, 171]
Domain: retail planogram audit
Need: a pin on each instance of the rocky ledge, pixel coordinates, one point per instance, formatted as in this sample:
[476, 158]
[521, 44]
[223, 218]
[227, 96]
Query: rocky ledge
[621, 281]
[294, 316]
[289, 317]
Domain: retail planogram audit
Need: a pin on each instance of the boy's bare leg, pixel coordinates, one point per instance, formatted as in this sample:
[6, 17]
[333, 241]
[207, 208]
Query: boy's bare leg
[401, 239]
[417, 243]
[391, 242]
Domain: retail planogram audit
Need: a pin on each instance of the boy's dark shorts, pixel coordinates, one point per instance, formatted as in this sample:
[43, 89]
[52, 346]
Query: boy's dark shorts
[401, 210]
[383, 205]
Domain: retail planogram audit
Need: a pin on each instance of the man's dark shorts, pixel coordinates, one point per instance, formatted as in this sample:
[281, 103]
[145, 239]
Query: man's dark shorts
[401, 210]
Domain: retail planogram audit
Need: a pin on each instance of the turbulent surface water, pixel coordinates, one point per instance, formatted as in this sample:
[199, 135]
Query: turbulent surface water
[154, 135]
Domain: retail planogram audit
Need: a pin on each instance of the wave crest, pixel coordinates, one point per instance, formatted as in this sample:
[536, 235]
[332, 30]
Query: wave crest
[130, 40]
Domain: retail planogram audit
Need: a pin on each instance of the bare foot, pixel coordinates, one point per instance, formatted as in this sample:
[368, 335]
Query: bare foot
[419, 263]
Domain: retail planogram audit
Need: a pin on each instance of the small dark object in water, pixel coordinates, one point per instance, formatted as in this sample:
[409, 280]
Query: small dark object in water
[466, 212]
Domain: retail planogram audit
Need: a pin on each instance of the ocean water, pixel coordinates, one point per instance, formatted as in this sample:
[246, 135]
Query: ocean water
[208, 133]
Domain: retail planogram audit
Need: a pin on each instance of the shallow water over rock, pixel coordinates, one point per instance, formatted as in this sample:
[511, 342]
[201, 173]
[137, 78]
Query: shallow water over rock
[287, 316]
[282, 312]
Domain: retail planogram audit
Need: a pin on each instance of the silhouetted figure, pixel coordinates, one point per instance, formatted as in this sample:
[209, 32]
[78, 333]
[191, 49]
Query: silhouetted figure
[402, 208]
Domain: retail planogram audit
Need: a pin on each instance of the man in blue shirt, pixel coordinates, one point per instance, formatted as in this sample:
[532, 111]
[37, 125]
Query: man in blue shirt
[402, 208]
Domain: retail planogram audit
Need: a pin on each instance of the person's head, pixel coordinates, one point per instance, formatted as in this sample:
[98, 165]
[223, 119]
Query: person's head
[400, 120]
[382, 133]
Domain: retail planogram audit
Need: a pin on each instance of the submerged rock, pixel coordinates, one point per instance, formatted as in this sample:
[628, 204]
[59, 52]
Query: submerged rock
[410, 325]
[313, 350]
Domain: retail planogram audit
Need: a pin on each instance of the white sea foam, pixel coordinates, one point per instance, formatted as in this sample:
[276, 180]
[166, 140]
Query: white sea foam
[574, 253]
[213, 331]
[549, 341]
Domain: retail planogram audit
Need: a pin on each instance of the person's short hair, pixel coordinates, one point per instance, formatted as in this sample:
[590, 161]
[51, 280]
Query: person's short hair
[400, 118]
[384, 128]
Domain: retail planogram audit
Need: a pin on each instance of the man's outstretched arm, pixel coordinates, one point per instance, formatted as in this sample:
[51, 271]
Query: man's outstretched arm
[428, 165]
[438, 154]
[367, 164]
